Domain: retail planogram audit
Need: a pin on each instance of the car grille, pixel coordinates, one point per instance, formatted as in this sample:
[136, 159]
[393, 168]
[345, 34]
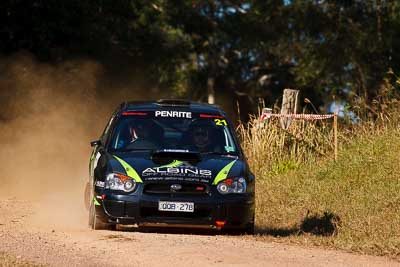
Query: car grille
[186, 188]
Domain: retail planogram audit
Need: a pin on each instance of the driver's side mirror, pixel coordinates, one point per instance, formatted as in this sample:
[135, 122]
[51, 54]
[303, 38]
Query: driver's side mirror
[95, 143]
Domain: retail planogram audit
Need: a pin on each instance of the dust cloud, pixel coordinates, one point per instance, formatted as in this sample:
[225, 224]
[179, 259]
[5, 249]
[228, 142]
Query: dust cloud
[49, 114]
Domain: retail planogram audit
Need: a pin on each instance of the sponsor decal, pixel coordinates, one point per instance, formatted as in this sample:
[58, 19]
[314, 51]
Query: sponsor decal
[100, 183]
[229, 149]
[188, 171]
[175, 150]
[220, 122]
[177, 169]
[176, 187]
[173, 114]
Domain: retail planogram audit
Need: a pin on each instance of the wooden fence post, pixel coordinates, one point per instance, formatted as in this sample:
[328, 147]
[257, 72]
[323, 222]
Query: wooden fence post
[290, 105]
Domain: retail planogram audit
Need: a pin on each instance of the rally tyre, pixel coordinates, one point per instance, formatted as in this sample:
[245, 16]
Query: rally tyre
[94, 222]
[86, 197]
[91, 216]
[249, 230]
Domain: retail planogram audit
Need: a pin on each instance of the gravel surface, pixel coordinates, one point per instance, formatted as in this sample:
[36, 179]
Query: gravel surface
[30, 231]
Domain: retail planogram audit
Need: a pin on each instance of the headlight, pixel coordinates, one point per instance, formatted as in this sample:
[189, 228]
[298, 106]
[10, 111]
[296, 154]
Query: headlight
[117, 181]
[232, 186]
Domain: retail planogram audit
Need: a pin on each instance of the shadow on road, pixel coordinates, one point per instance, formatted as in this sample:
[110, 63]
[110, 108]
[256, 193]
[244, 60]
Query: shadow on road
[170, 230]
[325, 224]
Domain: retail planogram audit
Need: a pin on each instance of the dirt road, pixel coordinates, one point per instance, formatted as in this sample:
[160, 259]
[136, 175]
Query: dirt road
[53, 115]
[57, 240]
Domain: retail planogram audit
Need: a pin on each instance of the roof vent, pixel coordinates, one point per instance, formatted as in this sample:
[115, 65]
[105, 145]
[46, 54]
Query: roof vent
[173, 102]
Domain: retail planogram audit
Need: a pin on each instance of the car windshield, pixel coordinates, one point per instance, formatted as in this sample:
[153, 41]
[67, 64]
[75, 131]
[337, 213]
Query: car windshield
[197, 132]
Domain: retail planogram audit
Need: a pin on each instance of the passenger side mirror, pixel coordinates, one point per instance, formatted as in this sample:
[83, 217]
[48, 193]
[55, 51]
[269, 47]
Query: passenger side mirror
[95, 143]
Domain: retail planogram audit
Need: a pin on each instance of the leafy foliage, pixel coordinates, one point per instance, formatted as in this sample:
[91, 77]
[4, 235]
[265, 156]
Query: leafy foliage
[257, 47]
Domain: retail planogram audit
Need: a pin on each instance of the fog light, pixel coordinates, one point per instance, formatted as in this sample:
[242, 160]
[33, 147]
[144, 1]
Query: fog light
[220, 224]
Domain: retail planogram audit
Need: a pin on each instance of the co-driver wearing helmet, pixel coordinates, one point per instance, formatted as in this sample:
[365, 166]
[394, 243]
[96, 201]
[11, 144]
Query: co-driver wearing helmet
[202, 137]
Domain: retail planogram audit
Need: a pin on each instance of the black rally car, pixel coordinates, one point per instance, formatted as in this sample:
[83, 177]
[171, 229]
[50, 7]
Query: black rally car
[169, 163]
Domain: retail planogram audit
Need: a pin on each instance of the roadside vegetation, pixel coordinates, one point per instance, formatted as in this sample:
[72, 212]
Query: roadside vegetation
[8, 260]
[305, 197]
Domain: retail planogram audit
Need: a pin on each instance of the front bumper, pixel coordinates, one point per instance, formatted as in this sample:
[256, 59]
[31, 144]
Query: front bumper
[236, 211]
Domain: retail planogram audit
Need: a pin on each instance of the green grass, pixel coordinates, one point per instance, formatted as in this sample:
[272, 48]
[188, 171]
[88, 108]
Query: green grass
[270, 148]
[352, 204]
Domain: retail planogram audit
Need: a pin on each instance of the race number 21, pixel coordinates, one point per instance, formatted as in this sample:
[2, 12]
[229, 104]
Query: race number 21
[220, 122]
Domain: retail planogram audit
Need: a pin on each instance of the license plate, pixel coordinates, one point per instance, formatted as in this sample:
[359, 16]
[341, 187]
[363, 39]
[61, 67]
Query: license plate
[176, 206]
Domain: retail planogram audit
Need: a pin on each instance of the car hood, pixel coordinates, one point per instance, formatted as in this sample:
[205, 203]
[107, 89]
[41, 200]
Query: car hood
[208, 169]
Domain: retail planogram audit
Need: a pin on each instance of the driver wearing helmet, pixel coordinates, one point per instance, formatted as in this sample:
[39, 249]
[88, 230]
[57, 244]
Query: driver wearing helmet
[139, 131]
[145, 134]
[139, 134]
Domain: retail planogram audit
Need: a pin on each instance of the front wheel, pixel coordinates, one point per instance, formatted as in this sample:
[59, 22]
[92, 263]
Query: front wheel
[86, 197]
[95, 223]
[249, 229]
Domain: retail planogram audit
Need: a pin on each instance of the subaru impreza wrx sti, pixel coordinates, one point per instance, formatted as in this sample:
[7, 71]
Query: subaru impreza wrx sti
[169, 163]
